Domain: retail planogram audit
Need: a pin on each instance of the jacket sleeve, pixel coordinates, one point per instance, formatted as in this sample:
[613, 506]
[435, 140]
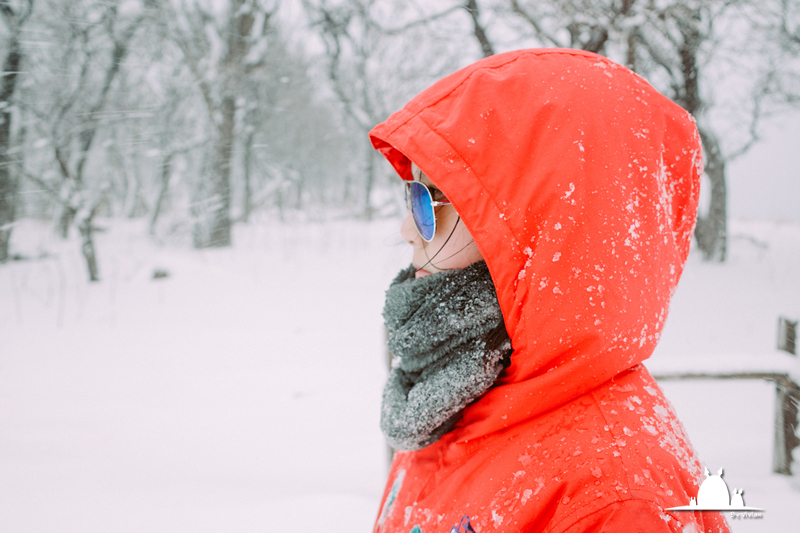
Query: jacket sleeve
[636, 516]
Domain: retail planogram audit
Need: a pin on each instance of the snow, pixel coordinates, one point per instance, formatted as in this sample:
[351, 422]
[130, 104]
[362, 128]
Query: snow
[242, 392]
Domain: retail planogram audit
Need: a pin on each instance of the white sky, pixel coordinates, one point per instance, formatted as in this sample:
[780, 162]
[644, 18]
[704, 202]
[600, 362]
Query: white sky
[765, 182]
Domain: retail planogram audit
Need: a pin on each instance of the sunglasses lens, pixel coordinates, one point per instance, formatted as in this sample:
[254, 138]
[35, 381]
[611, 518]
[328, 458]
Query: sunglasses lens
[421, 210]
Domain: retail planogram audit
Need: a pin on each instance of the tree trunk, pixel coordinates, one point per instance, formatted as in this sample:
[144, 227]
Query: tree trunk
[247, 200]
[213, 228]
[65, 219]
[8, 188]
[163, 191]
[711, 231]
[370, 175]
[8, 181]
[130, 181]
[299, 189]
[87, 247]
[630, 52]
[346, 186]
[133, 190]
[279, 202]
[786, 423]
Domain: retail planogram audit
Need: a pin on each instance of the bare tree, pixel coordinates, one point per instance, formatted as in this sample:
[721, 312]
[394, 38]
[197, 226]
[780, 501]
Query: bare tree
[221, 52]
[14, 16]
[177, 130]
[73, 174]
[293, 149]
[72, 115]
[789, 24]
[583, 24]
[374, 64]
[349, 36]
[778, 32]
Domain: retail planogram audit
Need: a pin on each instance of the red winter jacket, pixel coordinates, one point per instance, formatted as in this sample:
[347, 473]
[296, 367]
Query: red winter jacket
[579, 183]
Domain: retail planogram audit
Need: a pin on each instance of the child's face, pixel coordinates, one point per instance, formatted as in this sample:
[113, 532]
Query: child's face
[459, 252]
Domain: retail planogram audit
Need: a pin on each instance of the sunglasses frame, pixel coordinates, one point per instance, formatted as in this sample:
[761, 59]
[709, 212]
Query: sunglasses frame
[417, 216]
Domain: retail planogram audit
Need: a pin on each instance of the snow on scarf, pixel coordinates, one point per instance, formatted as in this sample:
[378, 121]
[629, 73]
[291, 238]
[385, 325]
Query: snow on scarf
[437, 325]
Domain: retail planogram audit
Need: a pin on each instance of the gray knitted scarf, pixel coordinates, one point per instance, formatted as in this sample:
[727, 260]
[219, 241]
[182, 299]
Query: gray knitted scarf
[437, 325]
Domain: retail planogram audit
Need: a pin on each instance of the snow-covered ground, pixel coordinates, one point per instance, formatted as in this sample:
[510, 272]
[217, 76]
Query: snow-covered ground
[241, 393]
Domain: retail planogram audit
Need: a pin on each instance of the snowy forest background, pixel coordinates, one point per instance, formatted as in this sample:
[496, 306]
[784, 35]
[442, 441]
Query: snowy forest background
[195, 237]
[195, 114]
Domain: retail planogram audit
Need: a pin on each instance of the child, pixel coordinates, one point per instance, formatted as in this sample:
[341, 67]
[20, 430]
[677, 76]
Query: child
[560, 197]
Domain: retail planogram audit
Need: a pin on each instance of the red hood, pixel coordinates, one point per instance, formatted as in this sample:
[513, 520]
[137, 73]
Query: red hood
[579, 183]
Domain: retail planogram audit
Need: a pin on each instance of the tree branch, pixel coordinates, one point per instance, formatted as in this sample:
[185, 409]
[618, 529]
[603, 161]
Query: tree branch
[755, 118]
[480, 32]
[332, 32]
[659, 58]
[543, 35]
[414, 23]
[64, 108]
[7, 12]
[46, 187]
[791, 36]
[192, 63]
[23, 17]
[62, 161]
[117, 56]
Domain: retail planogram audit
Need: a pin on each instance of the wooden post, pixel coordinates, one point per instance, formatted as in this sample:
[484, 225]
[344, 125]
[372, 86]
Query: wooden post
[787, 397]
[787, 335]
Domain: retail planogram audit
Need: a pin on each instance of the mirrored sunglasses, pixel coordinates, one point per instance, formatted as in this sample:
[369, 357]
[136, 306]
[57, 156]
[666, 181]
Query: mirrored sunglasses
[421, 204]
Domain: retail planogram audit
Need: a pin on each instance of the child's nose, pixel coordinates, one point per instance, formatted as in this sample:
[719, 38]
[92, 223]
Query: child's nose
[408, 231]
